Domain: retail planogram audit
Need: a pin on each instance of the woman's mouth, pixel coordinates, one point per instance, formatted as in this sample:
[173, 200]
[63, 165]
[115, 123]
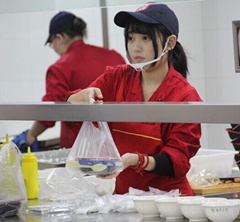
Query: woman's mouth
[139, 59]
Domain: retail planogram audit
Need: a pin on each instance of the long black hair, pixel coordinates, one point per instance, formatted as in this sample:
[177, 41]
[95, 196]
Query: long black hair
[176, 57]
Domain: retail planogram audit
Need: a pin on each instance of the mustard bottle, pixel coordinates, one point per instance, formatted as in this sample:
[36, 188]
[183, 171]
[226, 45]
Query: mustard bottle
[30, 174]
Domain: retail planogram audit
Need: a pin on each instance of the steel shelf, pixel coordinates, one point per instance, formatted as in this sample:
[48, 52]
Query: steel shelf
[123, 112]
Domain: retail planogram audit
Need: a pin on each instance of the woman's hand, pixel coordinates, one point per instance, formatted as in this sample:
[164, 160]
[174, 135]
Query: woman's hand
[128, 159]
[131, 159]
[86, 95]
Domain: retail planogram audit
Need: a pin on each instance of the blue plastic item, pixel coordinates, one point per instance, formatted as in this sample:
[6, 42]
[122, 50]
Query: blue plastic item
[21, 141]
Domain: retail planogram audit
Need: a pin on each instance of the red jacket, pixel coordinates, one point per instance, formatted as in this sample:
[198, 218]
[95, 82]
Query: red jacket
[77, 68]
[180, 141]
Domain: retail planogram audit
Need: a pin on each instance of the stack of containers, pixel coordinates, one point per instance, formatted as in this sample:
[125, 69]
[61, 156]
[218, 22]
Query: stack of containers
[234, 134]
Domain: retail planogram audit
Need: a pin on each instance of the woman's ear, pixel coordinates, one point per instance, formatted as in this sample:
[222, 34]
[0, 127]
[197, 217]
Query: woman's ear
[172, 40]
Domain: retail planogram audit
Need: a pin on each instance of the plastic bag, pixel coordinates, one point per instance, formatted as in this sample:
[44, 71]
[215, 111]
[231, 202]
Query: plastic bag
[66, 185]
[13, 195]
[94, 151]
[204, 178]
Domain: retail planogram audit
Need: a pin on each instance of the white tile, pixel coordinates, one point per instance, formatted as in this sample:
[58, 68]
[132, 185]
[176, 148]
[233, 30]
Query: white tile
[218, 137]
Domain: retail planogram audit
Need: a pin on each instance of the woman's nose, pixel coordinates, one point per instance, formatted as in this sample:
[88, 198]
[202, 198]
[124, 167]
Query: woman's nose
[137, 46]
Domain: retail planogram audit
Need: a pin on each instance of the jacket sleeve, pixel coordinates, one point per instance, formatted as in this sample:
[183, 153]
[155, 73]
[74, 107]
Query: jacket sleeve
[181, 141]
[109, 82]
[56, 89]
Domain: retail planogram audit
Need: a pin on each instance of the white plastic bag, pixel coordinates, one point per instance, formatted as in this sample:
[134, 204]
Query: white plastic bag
[64, 184]
[13, 195]
[94, 151]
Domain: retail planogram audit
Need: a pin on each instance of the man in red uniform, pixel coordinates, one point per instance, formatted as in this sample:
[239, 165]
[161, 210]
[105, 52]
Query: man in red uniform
[78, 66]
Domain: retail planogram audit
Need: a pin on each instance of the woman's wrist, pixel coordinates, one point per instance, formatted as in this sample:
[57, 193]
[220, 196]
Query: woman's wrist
[138, 161]
[130, 159]
[142, 162]
[30, 138]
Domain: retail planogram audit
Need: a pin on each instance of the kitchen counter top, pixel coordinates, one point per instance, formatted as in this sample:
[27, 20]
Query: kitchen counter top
[116, 217]
[91, 217]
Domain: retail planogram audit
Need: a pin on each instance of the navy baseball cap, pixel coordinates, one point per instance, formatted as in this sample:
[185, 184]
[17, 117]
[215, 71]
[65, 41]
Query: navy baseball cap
[61, 22]
[151, 13]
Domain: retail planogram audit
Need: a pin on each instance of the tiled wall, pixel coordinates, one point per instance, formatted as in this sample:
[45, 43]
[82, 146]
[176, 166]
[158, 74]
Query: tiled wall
[205, 33]
[24, 58]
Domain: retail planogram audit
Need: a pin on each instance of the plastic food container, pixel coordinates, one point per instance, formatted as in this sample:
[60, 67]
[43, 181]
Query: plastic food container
[52, 158]
[219, 162]
[99, 166]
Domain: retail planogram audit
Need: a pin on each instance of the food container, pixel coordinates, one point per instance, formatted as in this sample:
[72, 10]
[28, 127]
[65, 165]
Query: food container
[52, 158]
[219, 162]
[98, 166]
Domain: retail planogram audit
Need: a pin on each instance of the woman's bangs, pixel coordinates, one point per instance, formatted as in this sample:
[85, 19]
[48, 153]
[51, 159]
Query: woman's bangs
[139, 27]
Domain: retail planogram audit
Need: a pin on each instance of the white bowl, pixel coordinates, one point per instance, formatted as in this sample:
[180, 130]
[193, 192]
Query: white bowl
[215, 199]
[146, 206]
[190, 198]
[169, 208]
[221, 211]
[192, 208]
[238, 201]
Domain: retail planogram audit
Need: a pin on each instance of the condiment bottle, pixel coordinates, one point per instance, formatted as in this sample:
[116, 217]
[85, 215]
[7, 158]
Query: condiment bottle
[30, 174]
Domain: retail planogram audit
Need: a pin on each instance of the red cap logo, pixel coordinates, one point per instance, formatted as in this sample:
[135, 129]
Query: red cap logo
[144, 7]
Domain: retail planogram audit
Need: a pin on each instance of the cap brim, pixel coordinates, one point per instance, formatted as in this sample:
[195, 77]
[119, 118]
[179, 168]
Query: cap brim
[122, 18]
[48, 40]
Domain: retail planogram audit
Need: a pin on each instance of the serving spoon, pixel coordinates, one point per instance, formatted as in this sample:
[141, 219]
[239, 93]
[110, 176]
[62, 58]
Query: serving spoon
[96, 167]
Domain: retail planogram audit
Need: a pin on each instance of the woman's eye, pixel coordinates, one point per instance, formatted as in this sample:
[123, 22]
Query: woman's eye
[146, 38]
[130, 38]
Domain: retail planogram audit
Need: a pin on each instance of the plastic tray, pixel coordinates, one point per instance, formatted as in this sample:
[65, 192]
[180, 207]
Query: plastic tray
[52, 158]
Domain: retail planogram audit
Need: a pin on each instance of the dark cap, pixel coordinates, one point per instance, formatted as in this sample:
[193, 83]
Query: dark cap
[151, 13]
[61, 22]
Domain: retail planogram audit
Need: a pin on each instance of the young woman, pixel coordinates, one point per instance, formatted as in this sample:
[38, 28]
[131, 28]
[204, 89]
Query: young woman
[154, 154]
[78, 66]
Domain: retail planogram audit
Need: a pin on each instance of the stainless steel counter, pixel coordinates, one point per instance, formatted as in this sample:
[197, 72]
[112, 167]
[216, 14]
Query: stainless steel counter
[116, 217]
[92, 217]
[123, 112]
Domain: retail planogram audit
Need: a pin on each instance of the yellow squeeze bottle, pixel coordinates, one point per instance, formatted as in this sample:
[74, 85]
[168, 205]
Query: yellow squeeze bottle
[30, 174]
